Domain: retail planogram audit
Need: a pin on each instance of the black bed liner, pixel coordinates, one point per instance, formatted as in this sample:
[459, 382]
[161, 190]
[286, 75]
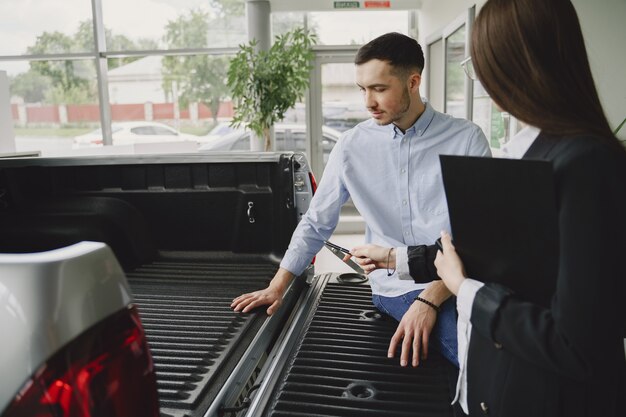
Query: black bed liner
[195, 337]
[339, 367]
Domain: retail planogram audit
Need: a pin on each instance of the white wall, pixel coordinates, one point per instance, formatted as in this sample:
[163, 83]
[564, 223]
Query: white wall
[434, 15]
[604, 27]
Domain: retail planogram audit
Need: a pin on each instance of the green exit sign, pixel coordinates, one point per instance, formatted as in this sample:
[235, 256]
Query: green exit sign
[346, 5]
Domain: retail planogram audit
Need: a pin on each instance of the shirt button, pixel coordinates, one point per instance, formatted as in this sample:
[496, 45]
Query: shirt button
[497, 345]
[484, 407]
[406, 232]
[404, 203]
[403, 170]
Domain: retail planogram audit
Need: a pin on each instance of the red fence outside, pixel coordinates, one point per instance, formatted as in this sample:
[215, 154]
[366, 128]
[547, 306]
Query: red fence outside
[125, 112]
[83, 112]
[73, 113]
[43, 114]
[163, 111]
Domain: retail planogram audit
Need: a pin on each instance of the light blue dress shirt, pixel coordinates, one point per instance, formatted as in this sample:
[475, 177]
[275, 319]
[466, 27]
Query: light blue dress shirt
[394, 180]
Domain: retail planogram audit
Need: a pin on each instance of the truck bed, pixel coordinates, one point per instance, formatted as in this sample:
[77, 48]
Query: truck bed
[195, 337]
[336, 365]
[193, 232]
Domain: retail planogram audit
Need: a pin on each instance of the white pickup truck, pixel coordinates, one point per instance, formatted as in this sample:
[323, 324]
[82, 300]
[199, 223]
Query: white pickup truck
[116, 277]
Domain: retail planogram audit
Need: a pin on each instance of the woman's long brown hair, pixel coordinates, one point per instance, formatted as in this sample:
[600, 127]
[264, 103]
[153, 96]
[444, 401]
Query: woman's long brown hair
[530, 56]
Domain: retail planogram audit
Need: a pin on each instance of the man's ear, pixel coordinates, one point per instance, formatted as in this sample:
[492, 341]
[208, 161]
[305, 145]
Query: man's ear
[415, 79]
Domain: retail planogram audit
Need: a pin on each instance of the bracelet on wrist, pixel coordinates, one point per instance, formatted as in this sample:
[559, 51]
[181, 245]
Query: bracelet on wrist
[433, 305]
[390, 272]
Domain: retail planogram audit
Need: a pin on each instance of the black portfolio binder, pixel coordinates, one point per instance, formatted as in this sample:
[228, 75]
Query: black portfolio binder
[504, 222]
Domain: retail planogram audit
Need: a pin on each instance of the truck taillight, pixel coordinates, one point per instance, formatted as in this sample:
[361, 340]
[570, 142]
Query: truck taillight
[313, 183]
[106, 372]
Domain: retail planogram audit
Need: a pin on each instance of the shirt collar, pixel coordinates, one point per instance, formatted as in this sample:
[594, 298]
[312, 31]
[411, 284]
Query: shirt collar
[421, 124]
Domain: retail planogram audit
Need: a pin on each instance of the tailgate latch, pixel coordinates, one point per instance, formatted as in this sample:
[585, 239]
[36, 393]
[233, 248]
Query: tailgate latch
[251, 218]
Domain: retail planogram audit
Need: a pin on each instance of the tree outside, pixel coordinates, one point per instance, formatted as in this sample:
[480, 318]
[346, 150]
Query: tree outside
[196, 78]
[62, 82]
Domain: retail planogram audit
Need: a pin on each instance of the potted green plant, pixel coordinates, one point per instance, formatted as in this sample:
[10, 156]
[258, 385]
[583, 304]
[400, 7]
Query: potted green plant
[265, 84]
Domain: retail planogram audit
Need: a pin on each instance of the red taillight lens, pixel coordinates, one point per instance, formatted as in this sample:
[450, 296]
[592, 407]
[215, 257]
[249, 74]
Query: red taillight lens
[106, 372]
[313, 183]
[97, 141]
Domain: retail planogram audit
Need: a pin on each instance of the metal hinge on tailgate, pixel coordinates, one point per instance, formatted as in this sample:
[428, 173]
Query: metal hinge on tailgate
[303, 184]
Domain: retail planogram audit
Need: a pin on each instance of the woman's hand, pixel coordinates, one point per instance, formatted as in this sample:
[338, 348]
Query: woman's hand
[449, 265]
[372, 257]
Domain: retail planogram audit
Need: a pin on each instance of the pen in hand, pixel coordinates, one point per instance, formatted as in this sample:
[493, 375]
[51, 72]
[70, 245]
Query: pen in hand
[337, 247]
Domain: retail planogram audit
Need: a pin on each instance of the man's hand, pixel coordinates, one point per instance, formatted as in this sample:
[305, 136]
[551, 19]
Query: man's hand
[413, 333]
[417, 323]
[272, 295]
[371, 257]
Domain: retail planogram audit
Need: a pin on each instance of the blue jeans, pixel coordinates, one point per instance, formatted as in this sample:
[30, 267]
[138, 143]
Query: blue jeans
[443, 336]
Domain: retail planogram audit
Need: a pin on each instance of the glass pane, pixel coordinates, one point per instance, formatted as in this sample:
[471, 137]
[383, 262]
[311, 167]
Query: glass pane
[494, 123]
[290, 138]
[187, 93]
[342, 104]
[435, 75]
[342, 108]
[174, 24]
[455, 76]
[481, 113]
[52, 102]
[27, 26]
[286, 21]
[364, 26]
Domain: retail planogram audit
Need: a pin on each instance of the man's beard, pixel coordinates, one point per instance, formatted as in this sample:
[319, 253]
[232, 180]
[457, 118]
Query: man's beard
[405, 105]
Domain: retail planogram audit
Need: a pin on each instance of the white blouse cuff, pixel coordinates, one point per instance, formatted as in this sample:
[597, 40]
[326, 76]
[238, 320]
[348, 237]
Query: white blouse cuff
[402, 263]
[465, 298]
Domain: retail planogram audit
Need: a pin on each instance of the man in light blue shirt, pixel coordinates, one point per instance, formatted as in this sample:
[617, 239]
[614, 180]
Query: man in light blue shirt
[389, 166]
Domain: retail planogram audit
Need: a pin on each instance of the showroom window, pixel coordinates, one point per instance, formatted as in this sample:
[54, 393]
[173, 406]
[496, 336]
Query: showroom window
[166, 69]
[450, 90]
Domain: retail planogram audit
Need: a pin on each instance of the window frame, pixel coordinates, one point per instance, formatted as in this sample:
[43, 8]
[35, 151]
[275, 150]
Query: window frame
[465, 19]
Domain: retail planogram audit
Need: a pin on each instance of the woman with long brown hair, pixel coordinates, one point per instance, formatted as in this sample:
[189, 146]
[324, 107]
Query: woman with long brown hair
[518, 358]
[566, 360]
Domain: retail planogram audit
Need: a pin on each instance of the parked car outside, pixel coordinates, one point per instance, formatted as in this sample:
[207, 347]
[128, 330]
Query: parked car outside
[340, 115]
[220, 129]
[127, 133]
[289, 137]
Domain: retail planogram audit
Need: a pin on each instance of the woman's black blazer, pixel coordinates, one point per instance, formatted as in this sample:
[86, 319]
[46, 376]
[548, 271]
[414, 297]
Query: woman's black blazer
[567, 360]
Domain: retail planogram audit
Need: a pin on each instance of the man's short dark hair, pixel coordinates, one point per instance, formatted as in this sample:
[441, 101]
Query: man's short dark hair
[403, 53]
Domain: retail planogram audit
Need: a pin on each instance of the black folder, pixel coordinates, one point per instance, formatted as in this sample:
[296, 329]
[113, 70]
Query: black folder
[504, 222]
